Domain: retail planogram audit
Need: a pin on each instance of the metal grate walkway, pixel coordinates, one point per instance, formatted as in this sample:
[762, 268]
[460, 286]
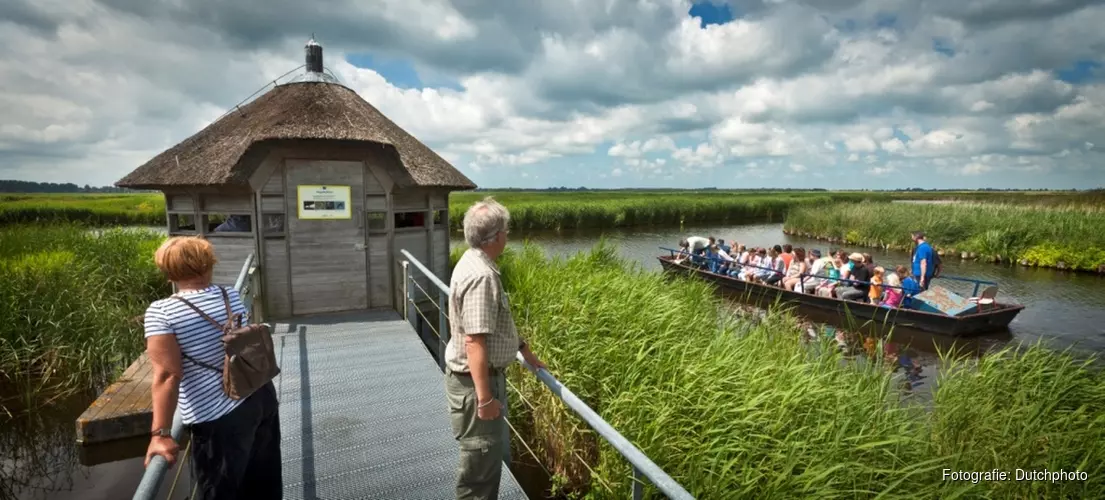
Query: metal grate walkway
[362, 411]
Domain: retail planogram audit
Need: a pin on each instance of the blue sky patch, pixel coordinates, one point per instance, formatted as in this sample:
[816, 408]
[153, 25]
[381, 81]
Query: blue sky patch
[943, 46]
[711, 13]
[1082, 71]
[886, 20]
[401, 73]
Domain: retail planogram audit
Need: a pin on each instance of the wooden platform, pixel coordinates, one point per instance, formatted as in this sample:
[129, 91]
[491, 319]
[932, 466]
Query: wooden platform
[123, 410]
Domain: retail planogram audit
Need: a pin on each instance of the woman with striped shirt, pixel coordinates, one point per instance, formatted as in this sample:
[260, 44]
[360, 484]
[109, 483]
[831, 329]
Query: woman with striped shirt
[235, 443]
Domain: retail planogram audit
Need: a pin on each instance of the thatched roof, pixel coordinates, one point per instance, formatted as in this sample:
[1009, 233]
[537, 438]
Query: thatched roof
[293, 111]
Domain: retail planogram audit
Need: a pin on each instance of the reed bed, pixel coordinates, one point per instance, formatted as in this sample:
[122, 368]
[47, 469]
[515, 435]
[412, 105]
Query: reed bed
[69, 304]
[1064, 237]
[737, 410]
[606, 209]
[89, 209]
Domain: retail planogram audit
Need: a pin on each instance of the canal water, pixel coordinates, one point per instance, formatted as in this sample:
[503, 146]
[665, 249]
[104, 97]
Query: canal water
[39, 460]
[1064, 309]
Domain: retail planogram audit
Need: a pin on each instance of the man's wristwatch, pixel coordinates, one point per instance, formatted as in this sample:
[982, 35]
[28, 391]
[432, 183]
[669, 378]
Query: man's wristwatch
[162, 432]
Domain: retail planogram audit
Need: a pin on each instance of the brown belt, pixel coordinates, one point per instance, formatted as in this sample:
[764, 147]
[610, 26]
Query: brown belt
[492, 371]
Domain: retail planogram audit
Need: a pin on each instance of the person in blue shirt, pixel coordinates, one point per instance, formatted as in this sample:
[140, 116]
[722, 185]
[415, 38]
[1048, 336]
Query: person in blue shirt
[910, 287]
[924, 260]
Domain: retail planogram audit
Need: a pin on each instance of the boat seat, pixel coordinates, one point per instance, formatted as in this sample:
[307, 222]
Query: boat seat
[986, 298]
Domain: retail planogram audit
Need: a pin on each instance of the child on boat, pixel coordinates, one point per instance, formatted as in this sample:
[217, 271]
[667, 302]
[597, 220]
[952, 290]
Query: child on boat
[893, 298]
[875, 292]
[910, 286]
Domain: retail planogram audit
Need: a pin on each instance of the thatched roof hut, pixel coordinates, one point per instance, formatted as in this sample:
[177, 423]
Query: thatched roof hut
[292, 111]
[317, 184]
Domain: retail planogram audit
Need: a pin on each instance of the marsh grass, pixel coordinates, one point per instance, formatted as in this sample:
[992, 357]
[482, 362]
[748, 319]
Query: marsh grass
[750, 413]
[1067, 236]
[606, 209]
[90, 209]
[68, 307]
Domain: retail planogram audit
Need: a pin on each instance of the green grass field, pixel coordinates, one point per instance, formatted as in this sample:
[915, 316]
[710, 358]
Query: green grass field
[543, 209]
[734, 410]
[90, 209]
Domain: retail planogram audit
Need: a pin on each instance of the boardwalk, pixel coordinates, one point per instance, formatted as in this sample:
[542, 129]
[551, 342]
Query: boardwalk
[362, 411]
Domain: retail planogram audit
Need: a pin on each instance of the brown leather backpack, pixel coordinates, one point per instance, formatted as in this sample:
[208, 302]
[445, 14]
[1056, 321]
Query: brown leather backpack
[250, 360]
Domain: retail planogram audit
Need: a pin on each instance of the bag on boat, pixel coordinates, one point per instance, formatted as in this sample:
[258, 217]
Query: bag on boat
[249, 359]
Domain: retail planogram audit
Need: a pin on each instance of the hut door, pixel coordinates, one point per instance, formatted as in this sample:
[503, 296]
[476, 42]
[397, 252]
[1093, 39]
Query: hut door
[326, 236]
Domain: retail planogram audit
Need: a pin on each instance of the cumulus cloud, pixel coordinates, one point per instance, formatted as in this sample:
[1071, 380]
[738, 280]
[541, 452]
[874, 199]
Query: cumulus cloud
[624, 92]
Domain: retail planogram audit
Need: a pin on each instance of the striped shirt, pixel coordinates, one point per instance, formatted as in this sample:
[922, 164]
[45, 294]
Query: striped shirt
[201, 389]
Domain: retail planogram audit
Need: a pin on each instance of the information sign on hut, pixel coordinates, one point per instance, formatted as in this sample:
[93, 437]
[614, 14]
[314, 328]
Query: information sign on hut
[319, 185]
[324, 202]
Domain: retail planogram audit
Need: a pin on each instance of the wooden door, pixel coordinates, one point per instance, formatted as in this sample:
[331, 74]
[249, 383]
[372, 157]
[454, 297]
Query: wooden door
[329, 270]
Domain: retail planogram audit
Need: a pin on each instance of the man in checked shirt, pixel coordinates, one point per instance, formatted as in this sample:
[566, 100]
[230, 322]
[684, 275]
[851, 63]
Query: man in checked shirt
[483, 343]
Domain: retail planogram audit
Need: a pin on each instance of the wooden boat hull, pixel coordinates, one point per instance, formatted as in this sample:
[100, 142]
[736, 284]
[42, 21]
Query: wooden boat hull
[995, 319]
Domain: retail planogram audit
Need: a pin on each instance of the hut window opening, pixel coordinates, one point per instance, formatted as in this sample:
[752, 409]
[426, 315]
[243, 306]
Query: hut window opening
[440, 218]
[182, 223]
[272, 224]
[228, 223]
[377, 221]
[410, 220]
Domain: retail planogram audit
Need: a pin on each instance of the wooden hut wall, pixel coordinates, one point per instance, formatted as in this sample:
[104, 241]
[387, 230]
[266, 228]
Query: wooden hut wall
[231, 247]
[274, 250]
[275, 197]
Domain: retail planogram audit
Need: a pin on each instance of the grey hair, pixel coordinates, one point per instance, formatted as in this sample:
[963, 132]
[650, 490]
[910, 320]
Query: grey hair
[483, 221]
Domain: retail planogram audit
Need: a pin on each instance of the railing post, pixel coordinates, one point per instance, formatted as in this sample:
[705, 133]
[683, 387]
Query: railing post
[638, 484]
[407, 301]
[442, 326]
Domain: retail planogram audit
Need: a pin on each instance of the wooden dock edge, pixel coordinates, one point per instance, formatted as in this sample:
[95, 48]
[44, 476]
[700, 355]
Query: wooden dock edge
[124, 410]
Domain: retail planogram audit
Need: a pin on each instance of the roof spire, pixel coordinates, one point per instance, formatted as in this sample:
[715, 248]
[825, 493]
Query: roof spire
[314, 55]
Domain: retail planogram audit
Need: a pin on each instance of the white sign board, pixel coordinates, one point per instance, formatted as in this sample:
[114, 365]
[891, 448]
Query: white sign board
[324, 202]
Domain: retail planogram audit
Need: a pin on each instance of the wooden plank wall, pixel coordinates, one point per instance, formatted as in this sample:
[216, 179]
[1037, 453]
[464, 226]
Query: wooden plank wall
[274, 275]
[231, 252]
[379, 272]
[227, 204]
[328, 271]
[415, 243]
[440, 265]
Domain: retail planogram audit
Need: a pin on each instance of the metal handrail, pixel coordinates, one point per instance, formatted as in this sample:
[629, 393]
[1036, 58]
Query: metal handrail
[155, 472]
[642, 465]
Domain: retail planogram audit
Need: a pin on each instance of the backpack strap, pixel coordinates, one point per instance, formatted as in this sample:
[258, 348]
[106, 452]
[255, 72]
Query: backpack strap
[209, 319]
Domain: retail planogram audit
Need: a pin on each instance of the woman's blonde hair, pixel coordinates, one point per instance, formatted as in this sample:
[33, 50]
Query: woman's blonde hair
[879, 271]
[893, 280]
[184, 258]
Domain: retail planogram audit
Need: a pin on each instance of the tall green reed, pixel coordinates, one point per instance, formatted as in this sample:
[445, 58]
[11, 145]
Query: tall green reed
[754, 415]
[1072, 237]
[68, 307]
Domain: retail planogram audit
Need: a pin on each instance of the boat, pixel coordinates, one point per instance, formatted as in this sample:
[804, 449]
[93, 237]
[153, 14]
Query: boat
[995, 317]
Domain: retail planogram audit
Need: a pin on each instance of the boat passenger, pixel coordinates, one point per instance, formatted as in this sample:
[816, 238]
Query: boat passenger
[858, 285]
[788, 257]
[924, 260]
[910, 286]
[832, 268]
[777, 265]
[894, 294]
[817, 268]
[719, 260]
[740, 256]
[798, 266]
[695, 244]
[876, 285]
[721, 244]
[755, 263]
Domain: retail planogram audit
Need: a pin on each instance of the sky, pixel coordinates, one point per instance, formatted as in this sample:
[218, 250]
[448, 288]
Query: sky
[852, 94]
